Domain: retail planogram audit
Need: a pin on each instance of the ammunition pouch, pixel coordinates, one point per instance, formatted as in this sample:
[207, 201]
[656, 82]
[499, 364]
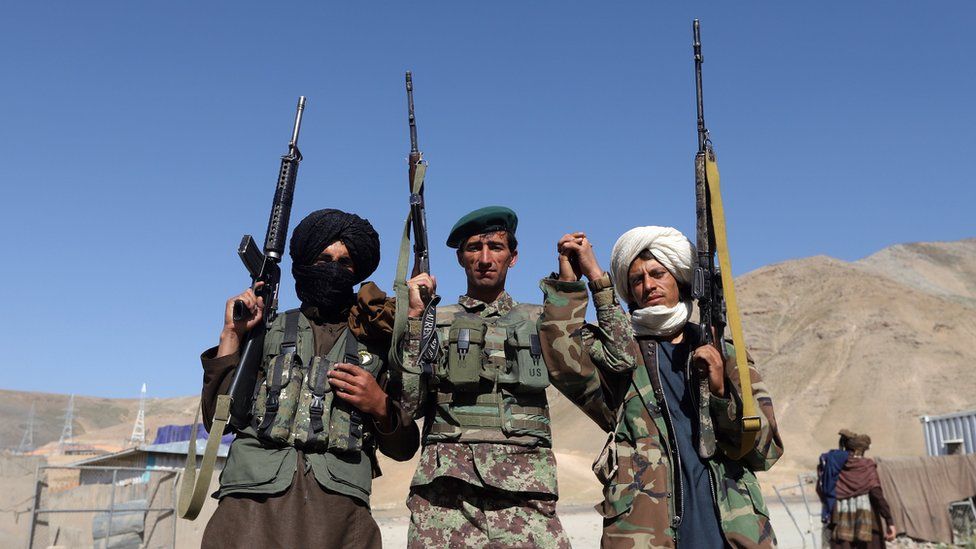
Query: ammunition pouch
[465, 352]
[296, 406]
[495, 382]
[526, 366]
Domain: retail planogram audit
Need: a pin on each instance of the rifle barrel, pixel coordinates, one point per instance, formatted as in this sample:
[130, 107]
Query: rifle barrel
[702, 131]
[298, 121]
[410, 116]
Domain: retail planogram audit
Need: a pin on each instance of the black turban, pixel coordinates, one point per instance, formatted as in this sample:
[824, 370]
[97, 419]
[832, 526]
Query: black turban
[329, 285]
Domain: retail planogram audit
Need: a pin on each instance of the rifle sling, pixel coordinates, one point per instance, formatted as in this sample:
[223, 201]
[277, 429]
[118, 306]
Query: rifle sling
[750, 422]
[196, 484]
[428, 343]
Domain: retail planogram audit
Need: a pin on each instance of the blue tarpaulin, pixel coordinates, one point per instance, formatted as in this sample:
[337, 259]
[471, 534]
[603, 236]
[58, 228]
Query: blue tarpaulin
[181, 433]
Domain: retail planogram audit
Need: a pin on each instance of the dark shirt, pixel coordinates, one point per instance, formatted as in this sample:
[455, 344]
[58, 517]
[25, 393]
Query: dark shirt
[699, 521]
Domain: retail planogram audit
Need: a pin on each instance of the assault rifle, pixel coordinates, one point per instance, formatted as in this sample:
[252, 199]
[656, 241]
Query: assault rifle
[421, 250]
[263, 268]
[713, 286]
[235, 406]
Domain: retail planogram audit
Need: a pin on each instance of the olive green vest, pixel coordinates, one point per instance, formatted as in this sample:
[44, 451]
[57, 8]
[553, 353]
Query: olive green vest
[295, 407]
[491, 380]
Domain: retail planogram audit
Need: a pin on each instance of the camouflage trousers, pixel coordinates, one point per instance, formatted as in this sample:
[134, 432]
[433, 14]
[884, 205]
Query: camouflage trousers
[645, 525]
[451, 513]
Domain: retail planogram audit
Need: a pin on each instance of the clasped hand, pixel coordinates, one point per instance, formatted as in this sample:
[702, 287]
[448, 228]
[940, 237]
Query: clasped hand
[576, 258]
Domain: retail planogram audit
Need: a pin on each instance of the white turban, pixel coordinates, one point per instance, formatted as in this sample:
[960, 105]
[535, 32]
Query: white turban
[672, 250]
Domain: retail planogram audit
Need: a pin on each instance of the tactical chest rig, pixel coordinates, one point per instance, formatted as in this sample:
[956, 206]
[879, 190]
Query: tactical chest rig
[295, 404]
[491, 380]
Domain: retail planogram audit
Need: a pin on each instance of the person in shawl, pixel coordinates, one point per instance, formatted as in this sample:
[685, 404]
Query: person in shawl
[828, 469]
[856, 517]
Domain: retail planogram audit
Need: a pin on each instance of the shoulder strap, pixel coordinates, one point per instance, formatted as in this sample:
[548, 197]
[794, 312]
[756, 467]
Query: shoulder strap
[352, 348]
[289, 342]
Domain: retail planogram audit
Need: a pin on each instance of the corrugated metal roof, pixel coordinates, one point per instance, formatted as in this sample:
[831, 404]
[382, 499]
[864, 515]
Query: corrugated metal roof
[926, 419]
[179, 448]
[182, 448]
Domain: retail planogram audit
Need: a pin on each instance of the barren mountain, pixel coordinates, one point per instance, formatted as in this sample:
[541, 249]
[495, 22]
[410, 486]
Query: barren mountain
[869, 345]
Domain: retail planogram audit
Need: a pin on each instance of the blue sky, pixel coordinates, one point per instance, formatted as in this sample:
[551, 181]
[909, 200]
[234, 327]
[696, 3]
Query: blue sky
[141, 140]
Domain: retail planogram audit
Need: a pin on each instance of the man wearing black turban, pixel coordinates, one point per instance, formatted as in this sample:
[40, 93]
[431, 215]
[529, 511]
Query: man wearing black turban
[298, 493]
[331, 251]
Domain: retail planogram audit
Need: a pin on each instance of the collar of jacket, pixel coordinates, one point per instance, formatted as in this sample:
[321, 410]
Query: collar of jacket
[500, 307]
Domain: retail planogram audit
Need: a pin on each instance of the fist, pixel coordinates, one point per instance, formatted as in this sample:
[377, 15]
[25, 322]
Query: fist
[711, 365]
[576, 258]
[420, 288]
[253, 303]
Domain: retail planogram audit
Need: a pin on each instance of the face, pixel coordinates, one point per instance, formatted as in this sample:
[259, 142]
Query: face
[336, 253]
[486, 259]
[651, 284]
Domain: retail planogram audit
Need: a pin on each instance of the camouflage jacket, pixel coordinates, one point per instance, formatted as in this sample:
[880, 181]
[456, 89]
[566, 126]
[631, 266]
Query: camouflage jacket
[601, 370]
[510, 467]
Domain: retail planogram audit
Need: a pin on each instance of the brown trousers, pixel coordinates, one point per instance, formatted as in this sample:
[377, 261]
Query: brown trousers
[304, 515]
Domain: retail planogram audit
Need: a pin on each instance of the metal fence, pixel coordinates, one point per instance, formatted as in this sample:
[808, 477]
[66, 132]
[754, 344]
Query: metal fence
[133, 507]
[807, 517]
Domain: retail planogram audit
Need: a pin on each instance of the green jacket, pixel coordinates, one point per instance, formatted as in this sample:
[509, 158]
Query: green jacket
[601, 370]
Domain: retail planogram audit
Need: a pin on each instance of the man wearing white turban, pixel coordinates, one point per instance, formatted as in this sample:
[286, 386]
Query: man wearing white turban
[668, 248]
[637, 377]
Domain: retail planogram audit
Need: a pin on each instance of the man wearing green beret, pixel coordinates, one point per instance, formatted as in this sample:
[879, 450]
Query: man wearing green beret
[487, 474]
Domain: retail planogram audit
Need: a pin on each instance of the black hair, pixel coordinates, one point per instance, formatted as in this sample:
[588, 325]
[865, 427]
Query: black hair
[509, 237]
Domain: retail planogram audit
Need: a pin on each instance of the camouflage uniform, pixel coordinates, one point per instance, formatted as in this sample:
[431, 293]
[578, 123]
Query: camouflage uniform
[601, 369]
[478, 494]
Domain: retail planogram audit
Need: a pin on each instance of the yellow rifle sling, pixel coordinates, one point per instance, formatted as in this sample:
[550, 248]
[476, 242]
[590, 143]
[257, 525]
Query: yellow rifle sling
[194, 488]
[750, 416]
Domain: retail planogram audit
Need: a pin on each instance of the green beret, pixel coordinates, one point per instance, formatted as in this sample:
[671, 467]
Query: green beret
[480, 221]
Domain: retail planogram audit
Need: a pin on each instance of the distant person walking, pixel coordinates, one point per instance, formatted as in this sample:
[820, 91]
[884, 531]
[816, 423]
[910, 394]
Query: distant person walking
[856, 518]
[829, 467]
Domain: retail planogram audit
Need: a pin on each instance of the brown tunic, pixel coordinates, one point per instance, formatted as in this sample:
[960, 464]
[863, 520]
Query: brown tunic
[305, 515]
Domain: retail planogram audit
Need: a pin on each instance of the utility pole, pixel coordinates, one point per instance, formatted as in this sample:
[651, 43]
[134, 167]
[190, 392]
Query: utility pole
[139, 429]
[27, 442]
[66, 432]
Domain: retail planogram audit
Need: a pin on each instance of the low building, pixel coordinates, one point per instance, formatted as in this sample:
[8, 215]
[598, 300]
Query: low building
[169, 456]
[950, 434]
